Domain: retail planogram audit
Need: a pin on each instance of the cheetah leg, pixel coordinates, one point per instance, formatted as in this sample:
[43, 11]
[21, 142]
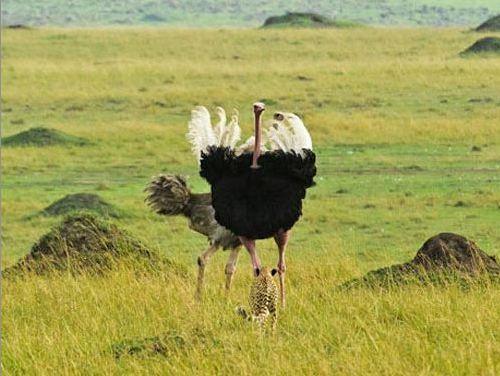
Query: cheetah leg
[274, 320]
[281, 238]
[250, 246]
[231, 267]
[202, 263]
[261, 319]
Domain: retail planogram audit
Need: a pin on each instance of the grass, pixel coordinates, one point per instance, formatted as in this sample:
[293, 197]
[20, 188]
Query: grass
[404, 130]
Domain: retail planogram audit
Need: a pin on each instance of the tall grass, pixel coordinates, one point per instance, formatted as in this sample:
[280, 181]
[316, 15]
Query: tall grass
[394, 114]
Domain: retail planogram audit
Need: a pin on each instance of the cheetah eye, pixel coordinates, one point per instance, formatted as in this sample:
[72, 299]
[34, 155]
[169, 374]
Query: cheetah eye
[274, 271]
[257, 272]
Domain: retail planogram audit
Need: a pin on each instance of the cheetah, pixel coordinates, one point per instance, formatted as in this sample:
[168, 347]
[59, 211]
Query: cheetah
[263, 299]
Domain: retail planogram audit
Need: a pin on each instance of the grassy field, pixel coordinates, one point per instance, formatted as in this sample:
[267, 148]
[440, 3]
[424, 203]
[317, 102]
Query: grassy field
[408, 144]
[216, 13]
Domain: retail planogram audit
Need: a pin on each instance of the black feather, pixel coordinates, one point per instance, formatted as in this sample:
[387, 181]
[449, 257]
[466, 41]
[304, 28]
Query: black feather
[257, 203]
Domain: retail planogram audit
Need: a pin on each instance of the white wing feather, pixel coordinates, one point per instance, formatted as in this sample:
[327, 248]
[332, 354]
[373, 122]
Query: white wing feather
[288, 133]
[301, 137]
[280, 137]
[233, 132]
[201, 134]
[248, 146]
[220, 128]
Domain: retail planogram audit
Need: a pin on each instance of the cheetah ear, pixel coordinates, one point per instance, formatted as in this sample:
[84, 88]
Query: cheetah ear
[274, 271]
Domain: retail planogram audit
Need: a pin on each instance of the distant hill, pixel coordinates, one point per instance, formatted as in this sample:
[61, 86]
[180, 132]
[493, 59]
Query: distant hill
[252, 13]
[309, 20]
[492, 24]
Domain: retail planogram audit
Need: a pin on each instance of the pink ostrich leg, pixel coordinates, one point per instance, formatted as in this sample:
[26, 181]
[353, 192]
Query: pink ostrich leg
[281, 238]
[250, 246]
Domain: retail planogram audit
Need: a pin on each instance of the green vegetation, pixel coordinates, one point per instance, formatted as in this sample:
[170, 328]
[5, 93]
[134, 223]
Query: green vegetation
[484, 46]
[408, 145]
[492, 24]
[81, 201]
[40, 136]
[293, 19]
[217, 13]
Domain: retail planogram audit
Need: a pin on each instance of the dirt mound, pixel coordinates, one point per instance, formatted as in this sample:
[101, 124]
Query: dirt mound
[444, 257]
[85, 243]
[488, 45]
[492, 24]
[81, 201]
[294, 19]
[40, 136]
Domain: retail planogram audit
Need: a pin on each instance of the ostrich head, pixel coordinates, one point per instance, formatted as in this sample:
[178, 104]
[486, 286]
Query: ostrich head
[258, 108]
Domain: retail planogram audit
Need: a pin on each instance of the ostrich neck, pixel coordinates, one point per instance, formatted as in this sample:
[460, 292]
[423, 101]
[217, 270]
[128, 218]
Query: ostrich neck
[256, 149]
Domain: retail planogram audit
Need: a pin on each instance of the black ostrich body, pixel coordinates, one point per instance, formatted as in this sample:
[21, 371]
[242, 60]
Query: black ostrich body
[257, 203]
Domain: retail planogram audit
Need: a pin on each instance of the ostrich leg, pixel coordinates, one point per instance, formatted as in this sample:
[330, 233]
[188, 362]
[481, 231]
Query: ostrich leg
[231, 266]
[202, 262]
[250, 246]
[281, 238]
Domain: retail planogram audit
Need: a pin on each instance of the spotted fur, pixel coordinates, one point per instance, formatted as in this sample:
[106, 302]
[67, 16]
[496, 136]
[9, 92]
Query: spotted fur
[263, 299]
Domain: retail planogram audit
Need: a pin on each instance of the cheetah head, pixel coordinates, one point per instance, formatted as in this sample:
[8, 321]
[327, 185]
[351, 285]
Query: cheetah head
[266, 271]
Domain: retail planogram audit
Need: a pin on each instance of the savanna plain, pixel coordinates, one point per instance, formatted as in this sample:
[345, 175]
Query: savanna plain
[407, 136]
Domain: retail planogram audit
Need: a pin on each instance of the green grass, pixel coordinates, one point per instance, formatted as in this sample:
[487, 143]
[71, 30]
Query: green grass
[394, 114]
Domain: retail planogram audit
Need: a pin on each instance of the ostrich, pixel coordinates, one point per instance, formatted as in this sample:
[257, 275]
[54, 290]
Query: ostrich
[256, 194]
[169, 195]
